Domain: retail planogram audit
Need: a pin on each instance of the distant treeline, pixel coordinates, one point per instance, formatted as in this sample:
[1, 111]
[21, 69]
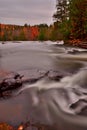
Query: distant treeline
[37, 32]
[70, 24]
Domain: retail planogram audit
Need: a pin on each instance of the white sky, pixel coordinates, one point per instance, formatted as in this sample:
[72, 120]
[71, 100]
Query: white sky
[27, 11]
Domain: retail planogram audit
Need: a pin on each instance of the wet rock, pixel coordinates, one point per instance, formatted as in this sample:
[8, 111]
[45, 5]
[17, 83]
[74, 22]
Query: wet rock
[33, 75]
[10, 83]
[80, 107]
[13, 80]
[7, 75]
[4, 74]
[73, 51]
[3, 42]
[57, 75]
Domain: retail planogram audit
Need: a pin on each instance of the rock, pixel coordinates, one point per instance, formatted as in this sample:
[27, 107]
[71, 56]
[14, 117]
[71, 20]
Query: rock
[57, 75]
[10, 83]
[3, 43]
[33, 75]
[12, 80]
[80, 107]
[7, 75]
[74, 51]
[83, 45]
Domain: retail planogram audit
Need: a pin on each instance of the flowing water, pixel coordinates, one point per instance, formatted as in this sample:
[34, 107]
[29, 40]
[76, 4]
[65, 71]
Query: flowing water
[46, 101]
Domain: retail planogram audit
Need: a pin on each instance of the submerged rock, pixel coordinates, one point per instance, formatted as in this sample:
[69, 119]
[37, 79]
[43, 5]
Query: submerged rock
[57, 75]
[73, 51]
[3, 42]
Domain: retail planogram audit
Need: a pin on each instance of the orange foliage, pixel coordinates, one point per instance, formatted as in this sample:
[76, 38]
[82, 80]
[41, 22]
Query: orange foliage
[34, 32]
[2, 33]
[3, 26]
[4, 126]
[11, 31]
[74, 42]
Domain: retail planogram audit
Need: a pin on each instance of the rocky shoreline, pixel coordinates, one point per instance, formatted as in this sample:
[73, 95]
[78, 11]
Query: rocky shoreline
[76, 43]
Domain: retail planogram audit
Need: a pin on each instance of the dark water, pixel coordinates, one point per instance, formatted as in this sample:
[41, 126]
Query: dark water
[46, 101]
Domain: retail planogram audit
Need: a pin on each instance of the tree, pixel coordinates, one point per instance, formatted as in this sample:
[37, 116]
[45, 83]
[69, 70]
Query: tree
[25, 25]
[62, 19]
[78, 18]
[71, 17]
[62, 10]
[22, 35]
[0, 31]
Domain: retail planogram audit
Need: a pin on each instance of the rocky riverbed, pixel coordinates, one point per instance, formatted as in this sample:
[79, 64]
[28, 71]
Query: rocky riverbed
[44, 84]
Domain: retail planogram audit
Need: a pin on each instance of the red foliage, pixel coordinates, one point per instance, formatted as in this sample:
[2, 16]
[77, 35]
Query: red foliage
[4, 126]
[34, 32]
[11, 31]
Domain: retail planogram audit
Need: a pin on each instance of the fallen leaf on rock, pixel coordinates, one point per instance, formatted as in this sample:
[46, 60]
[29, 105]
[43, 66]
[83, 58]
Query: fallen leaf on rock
[4, 126]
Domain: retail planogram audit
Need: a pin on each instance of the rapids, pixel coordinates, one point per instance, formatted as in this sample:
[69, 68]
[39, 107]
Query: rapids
[46, 101]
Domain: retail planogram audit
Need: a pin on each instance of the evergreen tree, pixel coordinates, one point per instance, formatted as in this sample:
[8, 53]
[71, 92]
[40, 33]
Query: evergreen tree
[62, 18]
[62, 10]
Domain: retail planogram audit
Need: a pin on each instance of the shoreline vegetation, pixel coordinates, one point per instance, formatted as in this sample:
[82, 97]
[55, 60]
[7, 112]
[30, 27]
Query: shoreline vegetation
[70, 25]
[42, 32]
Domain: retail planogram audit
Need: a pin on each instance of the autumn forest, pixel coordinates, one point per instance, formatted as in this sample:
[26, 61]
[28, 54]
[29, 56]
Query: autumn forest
[69, 24]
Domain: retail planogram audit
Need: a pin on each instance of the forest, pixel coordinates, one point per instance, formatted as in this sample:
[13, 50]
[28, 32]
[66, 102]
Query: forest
[71, 20]
[69, 24]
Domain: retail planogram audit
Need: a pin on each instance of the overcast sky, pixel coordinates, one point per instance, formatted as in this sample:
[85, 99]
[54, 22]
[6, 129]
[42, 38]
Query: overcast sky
[27, 11]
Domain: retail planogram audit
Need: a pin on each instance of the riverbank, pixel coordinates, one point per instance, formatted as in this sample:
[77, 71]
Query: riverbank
[76, 43]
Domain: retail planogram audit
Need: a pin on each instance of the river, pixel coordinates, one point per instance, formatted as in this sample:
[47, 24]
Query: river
[46, 101]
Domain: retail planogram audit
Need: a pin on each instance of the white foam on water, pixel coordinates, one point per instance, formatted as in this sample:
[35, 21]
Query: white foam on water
[78, 79]
[67, 85]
